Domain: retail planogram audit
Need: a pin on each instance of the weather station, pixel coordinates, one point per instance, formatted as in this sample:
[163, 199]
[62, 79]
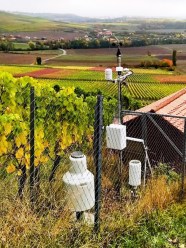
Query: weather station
[116, 133]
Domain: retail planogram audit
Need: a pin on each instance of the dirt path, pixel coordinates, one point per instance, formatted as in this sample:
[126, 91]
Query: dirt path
[54, 57]
[57, 56]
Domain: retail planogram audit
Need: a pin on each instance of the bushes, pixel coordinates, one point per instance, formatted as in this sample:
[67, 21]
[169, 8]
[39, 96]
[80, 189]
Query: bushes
[164, 63]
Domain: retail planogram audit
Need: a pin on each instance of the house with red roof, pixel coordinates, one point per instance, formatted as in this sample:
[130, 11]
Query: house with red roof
[162, 126]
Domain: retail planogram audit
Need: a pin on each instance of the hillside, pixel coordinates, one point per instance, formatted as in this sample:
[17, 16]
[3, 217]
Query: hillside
[70, 23]
[62, 17]
[20, 23]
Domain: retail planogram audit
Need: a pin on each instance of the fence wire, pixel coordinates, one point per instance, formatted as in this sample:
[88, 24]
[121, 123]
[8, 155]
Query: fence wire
[57, 171]
[162, 134]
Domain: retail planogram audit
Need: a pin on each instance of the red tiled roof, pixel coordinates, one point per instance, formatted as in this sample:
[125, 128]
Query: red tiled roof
[174, 104]
[167, 104]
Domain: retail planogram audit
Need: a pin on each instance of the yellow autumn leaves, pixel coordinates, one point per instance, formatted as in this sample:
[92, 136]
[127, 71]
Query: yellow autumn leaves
[21, 139]
[22, 152]
[3, 140]
[19, 153]
[69, 135]
[40, 146]
[22, 158]
[7, 128]
[4, 145]
[10, 168]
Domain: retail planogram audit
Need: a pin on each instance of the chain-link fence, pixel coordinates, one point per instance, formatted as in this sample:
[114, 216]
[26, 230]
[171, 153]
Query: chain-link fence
[163, 140]
[50, 155]
[58, 173]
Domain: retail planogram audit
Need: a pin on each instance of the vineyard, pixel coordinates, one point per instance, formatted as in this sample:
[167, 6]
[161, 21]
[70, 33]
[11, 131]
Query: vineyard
[64, 122]
[64, 97]
[144, 84]
[18, 69]
[141, 91]
[64, 90]
[60, 114]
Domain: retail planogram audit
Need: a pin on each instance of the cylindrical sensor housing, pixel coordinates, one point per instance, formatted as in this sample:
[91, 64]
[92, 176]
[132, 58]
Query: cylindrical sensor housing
[108, 74]
[79, 183]
[134, 173]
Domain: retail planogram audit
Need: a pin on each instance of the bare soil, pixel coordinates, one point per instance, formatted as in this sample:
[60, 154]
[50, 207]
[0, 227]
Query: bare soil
[171, 78]
[19, 59]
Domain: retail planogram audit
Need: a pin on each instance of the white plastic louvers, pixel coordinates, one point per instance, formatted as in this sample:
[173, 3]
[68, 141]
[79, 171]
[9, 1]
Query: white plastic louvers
[79, 182]
[134, 173]
[116, 136]
[108, 74]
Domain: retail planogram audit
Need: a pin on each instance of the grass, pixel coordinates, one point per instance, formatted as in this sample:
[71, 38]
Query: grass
[94, 58]
[11, 22]
[16, 23]
[38, 52]
[98, 58]
[18, 69]
[156, 219]
[19, 45]
[159, 229]
[151, 71]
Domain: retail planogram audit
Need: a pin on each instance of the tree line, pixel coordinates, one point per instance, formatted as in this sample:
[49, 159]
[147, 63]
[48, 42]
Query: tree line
[82, 43]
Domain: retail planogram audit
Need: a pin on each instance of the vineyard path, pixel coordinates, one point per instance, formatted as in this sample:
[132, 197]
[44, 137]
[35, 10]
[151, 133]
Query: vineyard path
[57, 56]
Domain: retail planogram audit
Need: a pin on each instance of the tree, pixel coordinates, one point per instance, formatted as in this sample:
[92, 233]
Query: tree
[174, 57]
[95, 43]
[38, 60]
[7, 46]
[32, 45]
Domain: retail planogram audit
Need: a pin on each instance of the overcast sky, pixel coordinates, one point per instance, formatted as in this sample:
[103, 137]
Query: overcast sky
[100, 8]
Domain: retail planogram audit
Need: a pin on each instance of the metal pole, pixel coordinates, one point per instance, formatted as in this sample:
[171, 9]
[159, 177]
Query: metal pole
[98, 159]
[144, 129]
[119, 186]
[119, 101]
[32, 141]
[184, 161]
[118, 55]
[120, 168]
[144, 135]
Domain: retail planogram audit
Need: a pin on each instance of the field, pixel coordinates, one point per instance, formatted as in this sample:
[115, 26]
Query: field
[131, 57]
[22, 23]
[144, 84]
[140, 91]
[90, 57]
[18, 69]
[20, 46]
[10, 23]
[19, 59]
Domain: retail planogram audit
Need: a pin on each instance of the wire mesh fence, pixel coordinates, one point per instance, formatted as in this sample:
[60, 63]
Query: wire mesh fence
[57, 171]
[163, 140]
